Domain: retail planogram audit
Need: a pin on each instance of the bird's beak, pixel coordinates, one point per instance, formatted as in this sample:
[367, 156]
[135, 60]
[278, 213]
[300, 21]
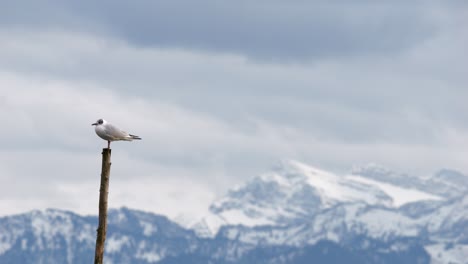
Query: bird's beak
[94, 124]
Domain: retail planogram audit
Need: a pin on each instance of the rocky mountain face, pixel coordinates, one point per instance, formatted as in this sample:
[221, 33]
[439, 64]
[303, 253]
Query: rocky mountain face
[54, 236]
[296, 204]
[293, 214]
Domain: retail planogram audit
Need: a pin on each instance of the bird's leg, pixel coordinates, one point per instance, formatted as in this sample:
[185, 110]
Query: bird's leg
[108, 144]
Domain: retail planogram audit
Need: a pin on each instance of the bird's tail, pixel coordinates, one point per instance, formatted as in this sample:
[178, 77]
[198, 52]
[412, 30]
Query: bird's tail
[135, 137]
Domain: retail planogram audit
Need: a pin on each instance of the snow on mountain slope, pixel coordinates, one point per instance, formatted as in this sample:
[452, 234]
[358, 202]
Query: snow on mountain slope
[440, 253]
[337, 224]
[55, 236]
[45, 227]
[295, 192]
[289, 193]
[333, 189]
[141, 237]
[449, 223]
[399, 195]
[445, 183]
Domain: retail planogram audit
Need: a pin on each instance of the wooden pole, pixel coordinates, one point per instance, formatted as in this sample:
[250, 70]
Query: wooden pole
[103, 192]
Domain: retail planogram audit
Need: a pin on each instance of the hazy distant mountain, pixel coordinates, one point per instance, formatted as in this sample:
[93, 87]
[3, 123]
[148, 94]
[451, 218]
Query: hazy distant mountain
[292, 214]
[296, 204]
[54, 236]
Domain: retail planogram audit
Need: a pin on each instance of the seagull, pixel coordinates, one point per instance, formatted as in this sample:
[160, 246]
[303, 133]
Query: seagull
[110, 133]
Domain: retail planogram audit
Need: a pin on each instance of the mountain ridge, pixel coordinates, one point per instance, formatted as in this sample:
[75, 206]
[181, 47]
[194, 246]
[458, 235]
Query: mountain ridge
[290, 214]
[128, 241]
[294, 191]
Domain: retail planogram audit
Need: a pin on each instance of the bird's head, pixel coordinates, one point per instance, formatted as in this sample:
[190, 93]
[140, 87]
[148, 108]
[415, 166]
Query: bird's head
[99, 122]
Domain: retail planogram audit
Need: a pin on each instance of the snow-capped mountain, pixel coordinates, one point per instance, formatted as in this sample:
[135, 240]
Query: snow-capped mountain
[295, 193]
[445, 183]
[60, 237]
[296, 204]
[294, 213]
[55, 236]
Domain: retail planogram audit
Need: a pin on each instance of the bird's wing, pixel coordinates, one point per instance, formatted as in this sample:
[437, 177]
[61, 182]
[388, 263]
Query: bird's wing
[115, 133]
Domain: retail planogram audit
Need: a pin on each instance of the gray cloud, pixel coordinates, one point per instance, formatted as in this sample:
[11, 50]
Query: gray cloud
[218, 102]
[269, 31]
[349, 100]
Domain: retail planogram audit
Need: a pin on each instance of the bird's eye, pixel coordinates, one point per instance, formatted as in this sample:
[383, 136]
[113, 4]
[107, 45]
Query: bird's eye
[100, 121]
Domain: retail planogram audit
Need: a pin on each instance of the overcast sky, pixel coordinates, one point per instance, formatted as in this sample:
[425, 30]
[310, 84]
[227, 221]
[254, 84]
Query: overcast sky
[221, 91]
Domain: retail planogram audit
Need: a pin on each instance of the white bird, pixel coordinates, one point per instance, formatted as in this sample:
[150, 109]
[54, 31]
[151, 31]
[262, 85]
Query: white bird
[110, 133]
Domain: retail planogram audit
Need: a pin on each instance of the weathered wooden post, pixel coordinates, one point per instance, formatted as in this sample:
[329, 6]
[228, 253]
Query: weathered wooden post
[103, 193]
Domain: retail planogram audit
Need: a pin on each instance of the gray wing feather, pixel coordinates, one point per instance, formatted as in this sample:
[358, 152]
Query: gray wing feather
[116, 133]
